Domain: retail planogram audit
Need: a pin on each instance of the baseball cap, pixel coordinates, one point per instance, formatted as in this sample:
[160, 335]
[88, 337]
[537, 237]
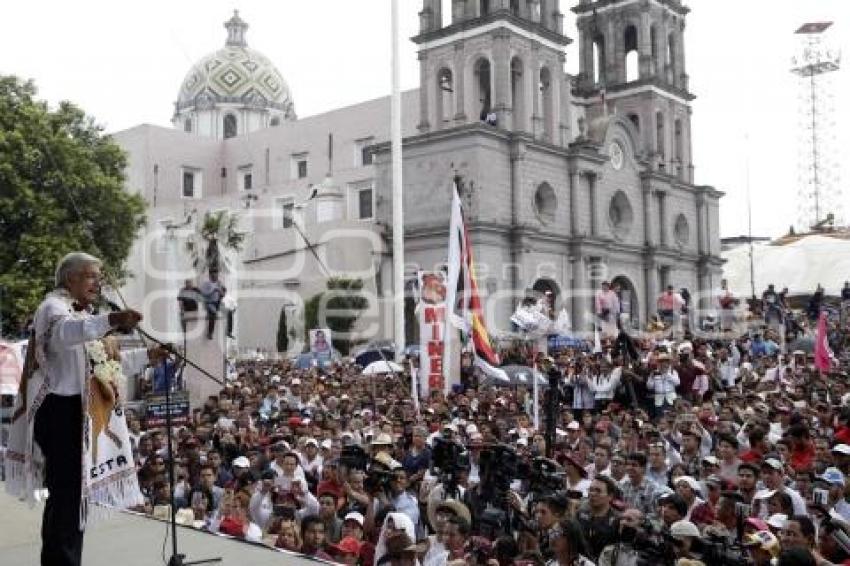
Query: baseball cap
[832, 476]
[241, 462]
[777, 520]
[355, 516]
[295, 381]
[772, 463]
[692, 483]
[683, 529]
[842, 449]
[573, 425]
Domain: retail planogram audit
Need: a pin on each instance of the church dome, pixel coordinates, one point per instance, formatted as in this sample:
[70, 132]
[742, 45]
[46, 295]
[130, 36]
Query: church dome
[235, 75]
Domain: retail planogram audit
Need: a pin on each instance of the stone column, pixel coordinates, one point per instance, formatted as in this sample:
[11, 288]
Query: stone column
[683, 79]
[459, 83]
[424, 122]
[591, 177]
[646, 191]
[573, 201]
[701, 233]
[650, 274]
[611, 75]
[502, 78]
[534, 11]
[662, 218]
[645, 46]
[536, 126]
[619, 49]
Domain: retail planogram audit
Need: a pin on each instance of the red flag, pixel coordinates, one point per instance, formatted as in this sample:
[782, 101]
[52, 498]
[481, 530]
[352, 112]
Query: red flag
[823, 355]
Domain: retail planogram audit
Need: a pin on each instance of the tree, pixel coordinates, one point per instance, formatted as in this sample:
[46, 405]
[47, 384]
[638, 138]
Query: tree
[344, 304]
[61, 190]
[282, 332]
[216, 233]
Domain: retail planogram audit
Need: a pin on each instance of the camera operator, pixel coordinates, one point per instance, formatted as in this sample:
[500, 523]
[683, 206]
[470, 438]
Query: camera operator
[392, 493]
[597, 518]
[623, 551]
[725, 526]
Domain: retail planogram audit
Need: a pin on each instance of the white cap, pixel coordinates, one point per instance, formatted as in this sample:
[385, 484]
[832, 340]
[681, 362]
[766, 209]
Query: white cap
[842, 449]
[692, 483]
[241, 462]
[573, 425]
[326, 444]
[355, 516]
[295, 381]
[777, 520]
[683, 529]
[310, 441]
[471, 429]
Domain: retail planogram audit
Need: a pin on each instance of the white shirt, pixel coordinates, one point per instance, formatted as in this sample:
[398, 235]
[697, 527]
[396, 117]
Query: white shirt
[66, 332]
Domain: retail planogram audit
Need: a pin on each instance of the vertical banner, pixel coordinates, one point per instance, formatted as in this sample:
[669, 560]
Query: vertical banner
[432, 328]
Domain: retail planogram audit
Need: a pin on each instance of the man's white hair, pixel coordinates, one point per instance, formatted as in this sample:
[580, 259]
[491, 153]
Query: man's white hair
[71, 264]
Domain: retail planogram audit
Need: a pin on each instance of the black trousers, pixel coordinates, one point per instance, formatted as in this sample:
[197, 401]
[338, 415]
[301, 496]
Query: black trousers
[58, 431]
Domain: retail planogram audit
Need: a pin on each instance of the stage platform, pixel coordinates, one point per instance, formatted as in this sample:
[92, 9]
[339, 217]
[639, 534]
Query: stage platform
[127, 540]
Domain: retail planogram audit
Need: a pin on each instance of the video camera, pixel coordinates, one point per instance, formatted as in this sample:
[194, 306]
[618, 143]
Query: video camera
[378, 476]
[448, 459]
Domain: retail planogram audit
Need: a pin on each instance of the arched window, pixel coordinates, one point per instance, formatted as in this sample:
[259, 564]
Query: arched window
[483, 88]
[546, 102]
[632, 63]
[545, 203]
[446, 12]
[599, 60]
[660, 141]
[445, 96]
[518, 94]
[230, 128]
[187, 125]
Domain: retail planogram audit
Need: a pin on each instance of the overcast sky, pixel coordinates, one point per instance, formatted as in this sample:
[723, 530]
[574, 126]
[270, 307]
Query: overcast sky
[123, 62]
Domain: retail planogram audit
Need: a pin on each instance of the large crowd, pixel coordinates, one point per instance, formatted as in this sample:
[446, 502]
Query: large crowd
[665, 449]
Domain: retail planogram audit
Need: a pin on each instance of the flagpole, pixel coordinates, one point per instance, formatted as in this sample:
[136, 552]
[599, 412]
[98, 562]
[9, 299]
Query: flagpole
[398, 210]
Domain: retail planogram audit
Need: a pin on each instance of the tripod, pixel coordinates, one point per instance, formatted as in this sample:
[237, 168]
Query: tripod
[176, 558]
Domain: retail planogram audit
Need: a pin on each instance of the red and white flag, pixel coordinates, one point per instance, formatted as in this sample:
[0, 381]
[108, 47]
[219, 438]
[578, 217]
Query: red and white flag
[823, 353]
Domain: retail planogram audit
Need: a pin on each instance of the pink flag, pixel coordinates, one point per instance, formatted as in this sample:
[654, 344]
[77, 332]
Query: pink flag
[823, 355]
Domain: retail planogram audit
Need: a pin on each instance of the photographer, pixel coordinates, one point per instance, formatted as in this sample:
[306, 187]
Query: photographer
[393, 494]
[623, 551]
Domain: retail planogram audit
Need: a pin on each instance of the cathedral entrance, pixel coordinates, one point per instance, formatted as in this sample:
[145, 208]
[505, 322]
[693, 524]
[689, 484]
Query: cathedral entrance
[629, 307]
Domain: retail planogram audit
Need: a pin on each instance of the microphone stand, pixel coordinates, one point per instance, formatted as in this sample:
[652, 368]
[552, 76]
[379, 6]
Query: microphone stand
[181, 361]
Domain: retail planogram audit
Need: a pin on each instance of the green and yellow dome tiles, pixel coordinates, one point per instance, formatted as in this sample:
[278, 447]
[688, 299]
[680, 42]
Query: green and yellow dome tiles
[235, 74]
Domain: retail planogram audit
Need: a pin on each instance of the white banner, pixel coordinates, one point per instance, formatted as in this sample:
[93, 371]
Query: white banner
[432, 328]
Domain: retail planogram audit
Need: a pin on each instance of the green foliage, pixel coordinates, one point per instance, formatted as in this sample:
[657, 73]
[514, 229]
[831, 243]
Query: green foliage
[344, 304]
[282, 335]
[217, 229]
[50, 161]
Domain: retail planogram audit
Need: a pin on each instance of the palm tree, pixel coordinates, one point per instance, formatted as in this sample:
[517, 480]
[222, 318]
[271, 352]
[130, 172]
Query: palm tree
[216, 233]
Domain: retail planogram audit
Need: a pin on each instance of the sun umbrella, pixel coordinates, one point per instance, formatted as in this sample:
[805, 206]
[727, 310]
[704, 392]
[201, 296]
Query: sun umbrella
[381, 367]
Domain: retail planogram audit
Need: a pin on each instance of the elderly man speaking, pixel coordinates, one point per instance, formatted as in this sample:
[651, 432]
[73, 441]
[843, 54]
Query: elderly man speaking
[68, 430]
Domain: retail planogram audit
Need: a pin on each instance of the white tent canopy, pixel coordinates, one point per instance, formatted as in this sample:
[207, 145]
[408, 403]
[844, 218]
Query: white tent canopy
[801, 266]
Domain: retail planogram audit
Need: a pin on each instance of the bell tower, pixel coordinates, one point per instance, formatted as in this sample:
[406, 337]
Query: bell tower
[500, 62]
[632, 62]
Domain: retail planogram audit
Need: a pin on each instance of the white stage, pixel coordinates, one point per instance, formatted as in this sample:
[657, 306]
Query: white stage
[126, 540]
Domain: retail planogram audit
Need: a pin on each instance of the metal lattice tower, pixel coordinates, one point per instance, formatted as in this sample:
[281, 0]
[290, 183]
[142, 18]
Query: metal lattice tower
[819, 188]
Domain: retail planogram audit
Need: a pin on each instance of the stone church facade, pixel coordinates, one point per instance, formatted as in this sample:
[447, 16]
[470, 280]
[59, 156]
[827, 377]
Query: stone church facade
[566, 180]
[575, 180]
